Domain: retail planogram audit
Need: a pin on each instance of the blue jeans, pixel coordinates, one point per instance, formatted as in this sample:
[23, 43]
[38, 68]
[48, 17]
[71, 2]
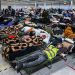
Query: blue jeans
[35, 59]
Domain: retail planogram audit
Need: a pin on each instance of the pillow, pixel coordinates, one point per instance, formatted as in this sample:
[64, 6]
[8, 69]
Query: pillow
[69, 40]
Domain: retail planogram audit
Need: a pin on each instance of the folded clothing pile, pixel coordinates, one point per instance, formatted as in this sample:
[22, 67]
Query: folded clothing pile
[32, 24]
[26, 20]
[43, 26]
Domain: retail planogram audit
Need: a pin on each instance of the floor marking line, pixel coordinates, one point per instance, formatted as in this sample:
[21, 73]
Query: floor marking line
[4, 64]
[5, 69]
[71, 67]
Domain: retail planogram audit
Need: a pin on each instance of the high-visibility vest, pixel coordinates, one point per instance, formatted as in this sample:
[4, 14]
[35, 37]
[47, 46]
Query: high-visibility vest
[52, 53]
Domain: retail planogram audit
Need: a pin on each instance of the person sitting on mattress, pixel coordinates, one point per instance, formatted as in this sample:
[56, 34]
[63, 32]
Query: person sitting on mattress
[41, 56]
[1, 19]
[62, 19]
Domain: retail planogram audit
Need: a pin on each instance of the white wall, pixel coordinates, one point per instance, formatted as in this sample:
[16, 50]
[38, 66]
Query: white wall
[32, 5]
[57, 6]
[17, 5]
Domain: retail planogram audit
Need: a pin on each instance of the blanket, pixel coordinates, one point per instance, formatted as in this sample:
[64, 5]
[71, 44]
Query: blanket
[7, 30]
[38, 32]
[10, 30]
[14, 45]
[69, 33]
[9, 24]
[13, 55]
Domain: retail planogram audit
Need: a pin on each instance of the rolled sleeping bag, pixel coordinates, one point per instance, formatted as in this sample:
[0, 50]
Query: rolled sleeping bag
[20, 34]
[4, 36]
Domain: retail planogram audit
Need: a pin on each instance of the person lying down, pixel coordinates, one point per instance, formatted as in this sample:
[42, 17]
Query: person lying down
[39, 57]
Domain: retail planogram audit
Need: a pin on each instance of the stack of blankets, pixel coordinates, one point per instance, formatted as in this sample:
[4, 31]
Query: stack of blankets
[14, 43]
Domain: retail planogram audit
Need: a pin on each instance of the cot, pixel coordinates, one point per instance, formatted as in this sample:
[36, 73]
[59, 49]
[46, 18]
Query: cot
[30, 70]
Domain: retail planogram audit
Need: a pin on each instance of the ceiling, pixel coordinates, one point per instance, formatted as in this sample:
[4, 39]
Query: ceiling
[37, 1]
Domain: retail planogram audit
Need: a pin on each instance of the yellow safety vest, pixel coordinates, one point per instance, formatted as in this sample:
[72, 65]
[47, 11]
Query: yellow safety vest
[52, 53]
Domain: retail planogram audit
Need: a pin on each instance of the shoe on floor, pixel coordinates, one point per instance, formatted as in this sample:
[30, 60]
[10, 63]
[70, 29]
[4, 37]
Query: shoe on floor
[70, 53]
[71, 47]
[12, 64]
[19, 67]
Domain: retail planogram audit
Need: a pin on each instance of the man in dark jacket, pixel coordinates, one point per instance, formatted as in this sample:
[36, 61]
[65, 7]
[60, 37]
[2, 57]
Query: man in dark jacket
[13, 13]
[45, 16]
[1, 19]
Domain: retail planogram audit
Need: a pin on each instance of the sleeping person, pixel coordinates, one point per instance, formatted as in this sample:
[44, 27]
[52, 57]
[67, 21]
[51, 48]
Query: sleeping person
[41, 56]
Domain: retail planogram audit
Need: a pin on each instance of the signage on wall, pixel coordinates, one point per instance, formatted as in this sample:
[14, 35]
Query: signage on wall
[64, 2]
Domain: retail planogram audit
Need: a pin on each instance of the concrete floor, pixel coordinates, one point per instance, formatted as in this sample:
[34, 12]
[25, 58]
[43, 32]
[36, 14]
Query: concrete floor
[59, 67]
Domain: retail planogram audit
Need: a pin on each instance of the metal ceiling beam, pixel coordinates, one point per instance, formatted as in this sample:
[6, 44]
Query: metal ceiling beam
[33, 1]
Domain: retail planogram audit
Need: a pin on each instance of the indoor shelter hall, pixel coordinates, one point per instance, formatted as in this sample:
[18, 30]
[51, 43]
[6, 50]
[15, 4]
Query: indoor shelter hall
[37, 37]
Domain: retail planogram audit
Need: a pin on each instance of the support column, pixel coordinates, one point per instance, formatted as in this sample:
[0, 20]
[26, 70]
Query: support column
[35, 4]
[51, 5]
[59, 4]
[14, 5]
[0, 5]
[71, 4]
[44, 4]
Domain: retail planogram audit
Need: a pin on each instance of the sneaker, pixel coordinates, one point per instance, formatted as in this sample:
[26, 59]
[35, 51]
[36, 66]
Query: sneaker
[12, 64]
[71, 47]
[63, 55]
[19, 67]
[64, 58]
[70, 53]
